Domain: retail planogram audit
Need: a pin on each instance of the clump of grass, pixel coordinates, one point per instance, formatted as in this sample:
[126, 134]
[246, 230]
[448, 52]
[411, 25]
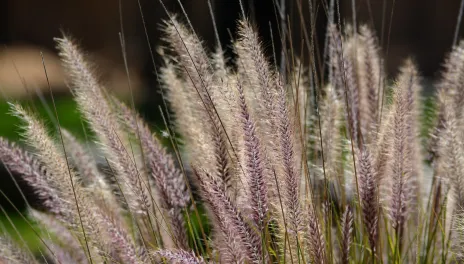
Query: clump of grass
[284, 176]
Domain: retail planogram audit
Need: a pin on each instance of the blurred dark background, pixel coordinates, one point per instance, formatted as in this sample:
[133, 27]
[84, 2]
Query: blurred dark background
[422, 29]
[28, 27]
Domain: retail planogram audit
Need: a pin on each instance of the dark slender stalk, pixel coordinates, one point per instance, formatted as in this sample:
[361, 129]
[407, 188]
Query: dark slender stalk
[66, 158]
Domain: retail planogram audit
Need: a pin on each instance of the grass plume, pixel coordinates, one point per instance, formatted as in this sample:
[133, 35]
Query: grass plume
[316, 167]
